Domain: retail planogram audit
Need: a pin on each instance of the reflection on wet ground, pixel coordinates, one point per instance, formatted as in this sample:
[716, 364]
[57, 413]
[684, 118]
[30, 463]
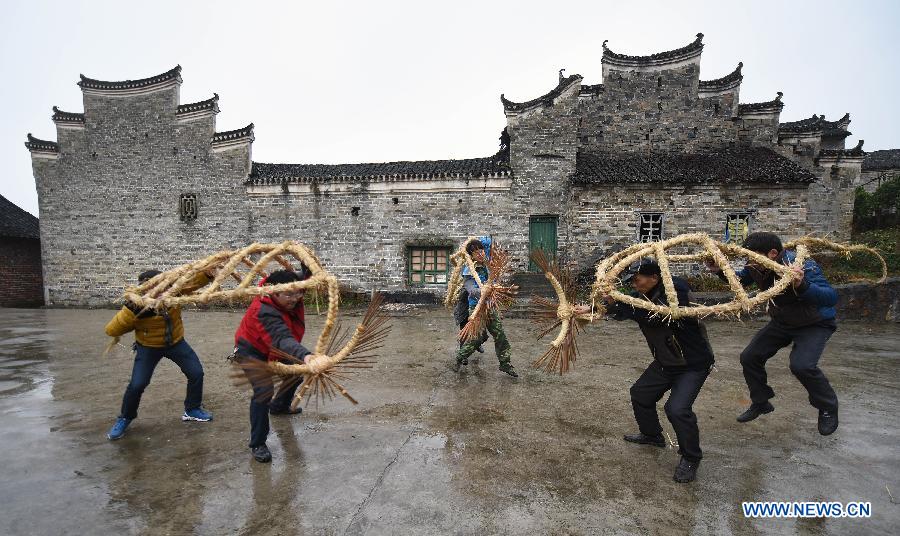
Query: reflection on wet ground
[427, 450]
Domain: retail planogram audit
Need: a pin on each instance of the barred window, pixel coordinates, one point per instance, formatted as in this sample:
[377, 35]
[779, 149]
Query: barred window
[737, 227]
[650, 228]
[428, 265]
[187, 207]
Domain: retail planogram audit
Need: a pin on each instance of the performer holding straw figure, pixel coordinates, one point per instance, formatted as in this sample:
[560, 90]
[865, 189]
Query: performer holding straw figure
[682, 359]
[803, 314]
[272, 329]
[157, 334]
[480, 252]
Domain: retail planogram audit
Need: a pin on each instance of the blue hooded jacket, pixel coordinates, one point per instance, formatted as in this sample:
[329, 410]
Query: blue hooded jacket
[811, 302]
[469, 282]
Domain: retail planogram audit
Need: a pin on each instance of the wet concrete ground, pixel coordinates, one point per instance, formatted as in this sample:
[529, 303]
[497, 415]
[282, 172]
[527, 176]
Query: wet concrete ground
[429, 451]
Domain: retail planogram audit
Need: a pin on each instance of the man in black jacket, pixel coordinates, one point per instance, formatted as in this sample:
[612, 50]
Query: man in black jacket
[682, 359]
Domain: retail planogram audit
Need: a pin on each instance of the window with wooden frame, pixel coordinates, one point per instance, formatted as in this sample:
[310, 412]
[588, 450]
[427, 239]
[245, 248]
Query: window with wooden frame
[650, 227]
[428, 265]
[737, 227]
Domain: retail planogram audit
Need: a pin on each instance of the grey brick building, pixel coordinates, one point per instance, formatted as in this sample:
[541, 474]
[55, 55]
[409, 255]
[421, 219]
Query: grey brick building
[878, 167]
[140, 180]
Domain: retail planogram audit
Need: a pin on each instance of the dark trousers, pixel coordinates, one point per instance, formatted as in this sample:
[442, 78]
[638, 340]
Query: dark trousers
[685, 385]
[145, 361]
[809, 342]
[262, 401]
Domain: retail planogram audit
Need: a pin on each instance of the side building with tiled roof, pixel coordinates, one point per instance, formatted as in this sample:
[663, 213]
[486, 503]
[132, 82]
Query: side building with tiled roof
[139, 180]
[878, 167]
[20, 257]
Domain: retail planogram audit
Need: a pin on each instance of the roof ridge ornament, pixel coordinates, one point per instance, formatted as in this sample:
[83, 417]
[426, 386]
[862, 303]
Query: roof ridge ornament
[544, 100]
[198, 109]
[818, 123]
[131, 87]
[37, 145]
[689, 53]
[855, 152]
[725, 83]
[770, 107]
[72, 118]
[233, 138]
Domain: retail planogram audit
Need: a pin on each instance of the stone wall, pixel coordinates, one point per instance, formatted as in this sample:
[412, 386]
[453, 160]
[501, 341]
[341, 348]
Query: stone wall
[20, 272]
[605, 219]
[367, 248]
[657, 111]
[109, 202]
[831, 199]
[543, 145]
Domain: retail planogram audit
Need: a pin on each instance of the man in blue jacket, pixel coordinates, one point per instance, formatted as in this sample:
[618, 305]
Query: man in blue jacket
[803, 315]
[480, 251]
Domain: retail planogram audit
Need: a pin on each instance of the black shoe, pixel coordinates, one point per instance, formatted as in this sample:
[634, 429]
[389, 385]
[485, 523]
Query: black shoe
[479, 349]
[686, 471]
[285, 411]
[507, 368]
[261, 454]
[656, 441]
[828, 422]
[754, 411]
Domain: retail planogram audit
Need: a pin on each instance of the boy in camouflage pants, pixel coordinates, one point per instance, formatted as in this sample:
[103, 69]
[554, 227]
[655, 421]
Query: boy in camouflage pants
[479, 250]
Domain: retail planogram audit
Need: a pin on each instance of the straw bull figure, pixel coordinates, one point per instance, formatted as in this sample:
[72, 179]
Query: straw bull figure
[569, 319]
[335, 354]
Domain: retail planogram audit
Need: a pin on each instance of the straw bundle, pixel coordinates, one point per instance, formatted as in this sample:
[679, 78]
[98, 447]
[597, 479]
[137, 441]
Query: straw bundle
[550, 315]
[332, 355]
[496, 294]
[563, 350]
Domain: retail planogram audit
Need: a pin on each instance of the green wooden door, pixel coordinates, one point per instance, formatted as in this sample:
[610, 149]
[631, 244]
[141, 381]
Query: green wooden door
[542, 235]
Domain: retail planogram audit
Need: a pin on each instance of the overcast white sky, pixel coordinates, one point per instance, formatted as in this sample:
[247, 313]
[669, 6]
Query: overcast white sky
[342, 82]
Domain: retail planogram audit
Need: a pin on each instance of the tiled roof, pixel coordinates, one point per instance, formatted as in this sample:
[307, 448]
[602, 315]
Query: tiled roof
[35, 144]
[884, 160]
[208, 104]
[90, 83]
[774, 105]
[856, 151]
[739, 165]
[426, 169]
[543, 100]
[660, 58]
[15, 222]
[726, 82]
[816, 123]
[60, 116]
[233, 135]
[835, 133]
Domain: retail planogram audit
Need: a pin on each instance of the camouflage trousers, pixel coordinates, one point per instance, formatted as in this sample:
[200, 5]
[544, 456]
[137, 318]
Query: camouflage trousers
[501, 343]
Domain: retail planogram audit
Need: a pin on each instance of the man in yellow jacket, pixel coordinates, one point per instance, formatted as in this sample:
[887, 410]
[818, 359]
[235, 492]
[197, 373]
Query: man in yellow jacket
[158, 335]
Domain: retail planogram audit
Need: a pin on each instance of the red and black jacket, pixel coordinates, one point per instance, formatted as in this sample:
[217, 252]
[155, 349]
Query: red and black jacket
[266, 326]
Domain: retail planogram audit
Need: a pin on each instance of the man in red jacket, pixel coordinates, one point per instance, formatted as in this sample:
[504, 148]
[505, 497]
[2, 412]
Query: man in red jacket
[271, 322]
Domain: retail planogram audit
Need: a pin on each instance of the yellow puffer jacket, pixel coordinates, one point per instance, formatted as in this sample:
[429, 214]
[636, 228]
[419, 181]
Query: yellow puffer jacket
[150, 328]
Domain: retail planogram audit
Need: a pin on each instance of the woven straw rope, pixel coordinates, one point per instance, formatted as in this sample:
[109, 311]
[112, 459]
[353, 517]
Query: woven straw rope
[609, 270]
[162, 291]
